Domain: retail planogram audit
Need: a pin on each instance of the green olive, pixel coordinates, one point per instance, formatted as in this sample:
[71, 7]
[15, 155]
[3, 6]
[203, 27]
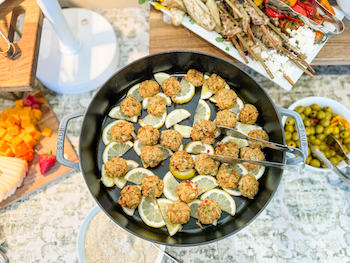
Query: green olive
[328, 115]
[316, 142]
[346, 149]
[323, 166]
[290, 121]
[307, 111]
[347, 140]
[338, 157]
[312, 130]
[291, 144]
[313, 114]
[334, 160]
[312, 137]
[321, 115]
[327, 154]
[327, 109]
[289, 128]
[341, 140]
[315, 163]
[333, 153]
[336, 136]
[323, 147]
[335, 130]
[348, 145]
[307, 122]
[302, 115]
[295, 136]
[341, 127]
[299, 109]
[288, 135]
[315, 107]
[325, 122]
[319, 129]
[321, 136]
[297, 142]
[328, 130]
[308, 159]
[307, 131]
[344, 134]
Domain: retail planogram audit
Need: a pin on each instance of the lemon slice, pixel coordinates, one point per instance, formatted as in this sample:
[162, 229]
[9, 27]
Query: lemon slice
[150, 212]
[114, 149]
[237, 108]
[245, 128]
[181, 147]
[202, 112]
[106, 133]
[155, 121]
[205, 183]
[225, 201]
[136, 175]
[234, 192]
[128, 211]
[257, 172]
[166, 152]
[205, 93]
[160, 94]
[240, 142]
[105, 179]
[160, 77]
[186, 93]
[184, 130]
[213, 99]
[194, 205]
[121, 182]
[138, 147]
[164, 205]
[199, 147]
[181, 175]
[115, 113]
[170, 186]
[176, 116]
[134, 90]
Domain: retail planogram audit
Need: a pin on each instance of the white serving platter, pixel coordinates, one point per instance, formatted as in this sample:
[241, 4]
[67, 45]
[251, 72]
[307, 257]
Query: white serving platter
[211, 36]
[80, 246]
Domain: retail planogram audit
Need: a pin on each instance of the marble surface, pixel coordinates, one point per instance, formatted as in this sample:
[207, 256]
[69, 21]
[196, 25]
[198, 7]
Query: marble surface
[308, 219]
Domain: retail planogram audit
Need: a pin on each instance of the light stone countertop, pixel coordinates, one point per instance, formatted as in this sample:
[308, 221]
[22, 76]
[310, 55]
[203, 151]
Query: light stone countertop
[308, 219]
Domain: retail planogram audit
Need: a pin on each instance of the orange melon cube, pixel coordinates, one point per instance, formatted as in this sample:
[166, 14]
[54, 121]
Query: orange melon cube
[15, 114]
[10, 120]
[26, 122]
[2, 132]
[7, 137]
[3, 146]
[46, 132]
[9, 153]
[16, 140]
[19, 103]
[30, 128]
[34, 121]
[37, 135]
[37, 114]
[29, 139]
[22, 132]
[23, 114]
[13, 130]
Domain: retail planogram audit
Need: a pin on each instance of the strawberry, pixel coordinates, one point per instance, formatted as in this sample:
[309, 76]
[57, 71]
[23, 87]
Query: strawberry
[46, 161]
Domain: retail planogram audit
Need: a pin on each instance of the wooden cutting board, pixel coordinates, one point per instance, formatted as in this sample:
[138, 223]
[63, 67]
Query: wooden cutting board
[34, 179]
[166, 37]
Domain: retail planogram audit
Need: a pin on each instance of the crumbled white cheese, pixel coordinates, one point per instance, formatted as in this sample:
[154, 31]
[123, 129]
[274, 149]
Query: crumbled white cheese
[278, 64]
[303, 38]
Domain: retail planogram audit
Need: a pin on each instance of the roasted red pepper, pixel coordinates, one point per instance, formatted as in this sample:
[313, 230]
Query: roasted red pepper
[273, 13]
[314, 120]
[297, 8]
[310, 11]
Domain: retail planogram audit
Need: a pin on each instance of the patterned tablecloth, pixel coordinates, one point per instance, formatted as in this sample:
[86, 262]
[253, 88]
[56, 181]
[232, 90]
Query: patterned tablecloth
[308, 219]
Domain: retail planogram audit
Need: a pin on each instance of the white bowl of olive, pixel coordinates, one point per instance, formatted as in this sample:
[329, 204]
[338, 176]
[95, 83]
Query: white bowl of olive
[320, 119]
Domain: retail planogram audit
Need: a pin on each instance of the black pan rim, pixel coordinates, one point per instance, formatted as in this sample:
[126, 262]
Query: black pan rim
[172, 244]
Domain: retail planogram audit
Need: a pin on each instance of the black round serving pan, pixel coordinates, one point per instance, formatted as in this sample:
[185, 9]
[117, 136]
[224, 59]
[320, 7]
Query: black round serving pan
[96, 118]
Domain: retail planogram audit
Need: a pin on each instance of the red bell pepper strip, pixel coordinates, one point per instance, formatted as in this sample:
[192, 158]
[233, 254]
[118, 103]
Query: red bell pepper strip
[273, 13]
[297, 8]
[309, 9]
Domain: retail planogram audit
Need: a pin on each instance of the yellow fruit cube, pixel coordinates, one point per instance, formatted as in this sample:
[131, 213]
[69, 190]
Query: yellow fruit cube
[2, 132]
[37, 114]
[37, 135]
[19, 103]
[29, 139]
[3, 146]
[16, 140]
[46, 132]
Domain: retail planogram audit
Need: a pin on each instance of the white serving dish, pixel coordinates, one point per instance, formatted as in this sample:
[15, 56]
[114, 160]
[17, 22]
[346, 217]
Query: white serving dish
[211, 36]
[323, 102]
[81, 238]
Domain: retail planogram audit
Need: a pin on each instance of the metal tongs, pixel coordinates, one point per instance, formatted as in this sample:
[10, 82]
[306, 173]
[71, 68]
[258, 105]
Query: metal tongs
[295, 164]
[331, 27]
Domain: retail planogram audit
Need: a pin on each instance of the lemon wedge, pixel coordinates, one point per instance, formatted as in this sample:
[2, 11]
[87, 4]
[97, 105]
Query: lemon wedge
[186, 93]
[205, 93]
[106, 133]
[114, 149]
[128, 211]
[136, 175]
[205, 183]
[155, 121]
[240, 142]
[184, 130]
[237, 108]
[225, 201]
[106, 180]
[245, 128]
[199, 147]
[134, 91]
[164, 205]
[170, 186]
[138, 147]
[160, 77]
[181, 175]
[202, 112]
[176, 116]
[194, 205]
[160, 94]
[166, 151]
[257, 172]
[115, 113]
[150, 212]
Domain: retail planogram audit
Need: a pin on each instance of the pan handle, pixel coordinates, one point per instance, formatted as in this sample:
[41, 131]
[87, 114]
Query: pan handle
[60, 141]
[300, 127]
